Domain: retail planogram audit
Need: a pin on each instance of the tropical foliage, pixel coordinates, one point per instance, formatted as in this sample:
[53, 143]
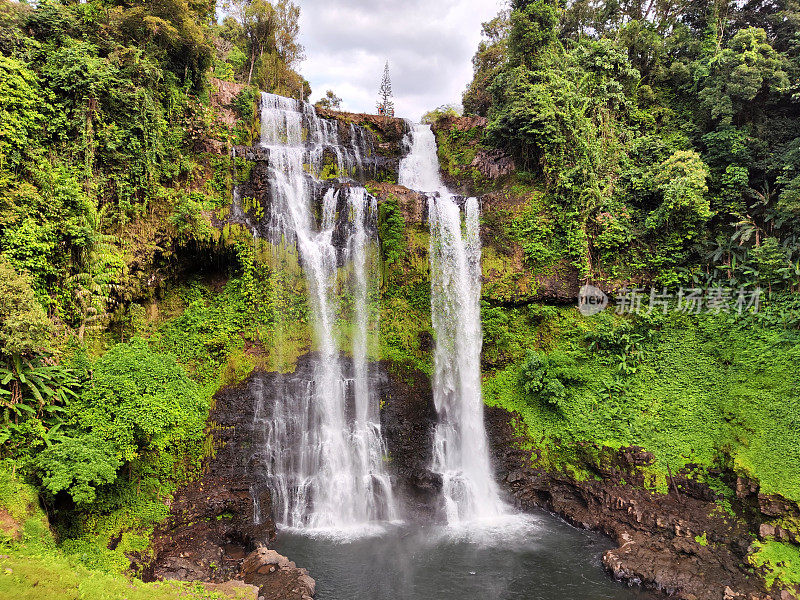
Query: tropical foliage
[113, 162]
[663, 134]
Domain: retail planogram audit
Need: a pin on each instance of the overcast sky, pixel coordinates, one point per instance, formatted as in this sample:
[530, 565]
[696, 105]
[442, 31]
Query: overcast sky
[429, 45]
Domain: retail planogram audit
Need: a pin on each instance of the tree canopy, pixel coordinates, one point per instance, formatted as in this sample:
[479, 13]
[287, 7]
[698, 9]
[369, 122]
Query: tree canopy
[672, 128]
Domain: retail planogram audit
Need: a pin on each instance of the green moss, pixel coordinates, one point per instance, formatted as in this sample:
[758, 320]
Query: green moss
[507, 332]
[538, 229]
[329, 171]
[405, 302]
[776, 562]
[791, 524]
[220, 183]
[243, 169]
[21, 518]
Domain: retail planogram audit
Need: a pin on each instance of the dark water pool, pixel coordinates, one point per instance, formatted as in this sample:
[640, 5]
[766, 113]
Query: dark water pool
[535, 557]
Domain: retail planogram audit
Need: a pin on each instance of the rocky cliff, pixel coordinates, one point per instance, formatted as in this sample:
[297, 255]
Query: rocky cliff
[682, 538]
[678, 542]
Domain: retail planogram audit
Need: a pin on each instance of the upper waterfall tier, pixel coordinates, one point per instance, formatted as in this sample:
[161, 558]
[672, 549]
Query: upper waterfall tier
[419, 169]
[286, 122]
[314, 154]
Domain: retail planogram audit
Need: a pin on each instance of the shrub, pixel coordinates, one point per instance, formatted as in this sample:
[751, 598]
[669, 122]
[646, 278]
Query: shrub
[140, 401]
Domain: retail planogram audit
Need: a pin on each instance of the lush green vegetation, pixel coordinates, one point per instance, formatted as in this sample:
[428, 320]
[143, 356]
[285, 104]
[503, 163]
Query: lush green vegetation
[106, 113]
[777, 561]
[33, 567]
[113, 166]
[50, 576]
[405, 319]
[651, 148]
[655, 145]
[700, 392]
[663, 136]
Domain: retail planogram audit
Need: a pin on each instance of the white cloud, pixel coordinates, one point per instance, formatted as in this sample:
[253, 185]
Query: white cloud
[429, 46]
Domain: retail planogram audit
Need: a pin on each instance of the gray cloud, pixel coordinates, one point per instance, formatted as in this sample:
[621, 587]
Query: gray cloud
[428, 44]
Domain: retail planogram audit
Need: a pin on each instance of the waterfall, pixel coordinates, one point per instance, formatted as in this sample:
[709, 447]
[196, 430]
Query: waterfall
[320, 443]
[461, 453]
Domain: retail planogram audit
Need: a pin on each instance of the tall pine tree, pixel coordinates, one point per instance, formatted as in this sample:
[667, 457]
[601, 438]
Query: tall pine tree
[385, 104]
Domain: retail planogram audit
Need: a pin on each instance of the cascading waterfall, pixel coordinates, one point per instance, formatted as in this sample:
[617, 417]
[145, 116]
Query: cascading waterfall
[321, 445]
[317, 441]
[461, 451]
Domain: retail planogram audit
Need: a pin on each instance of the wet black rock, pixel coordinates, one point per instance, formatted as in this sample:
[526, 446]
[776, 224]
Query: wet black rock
[408, 421]
[215, 521]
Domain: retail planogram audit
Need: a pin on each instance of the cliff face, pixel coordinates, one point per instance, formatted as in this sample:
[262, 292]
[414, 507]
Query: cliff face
[217, 520]
[385, 134]
[675, 531]
[677, 542]
[408, 420]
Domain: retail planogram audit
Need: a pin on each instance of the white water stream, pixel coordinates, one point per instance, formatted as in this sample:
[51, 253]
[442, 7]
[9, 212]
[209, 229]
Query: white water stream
[322, 446]
[461, 452]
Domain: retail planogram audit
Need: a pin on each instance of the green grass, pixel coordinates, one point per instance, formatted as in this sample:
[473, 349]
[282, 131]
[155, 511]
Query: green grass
[33, 567]
[47, 575]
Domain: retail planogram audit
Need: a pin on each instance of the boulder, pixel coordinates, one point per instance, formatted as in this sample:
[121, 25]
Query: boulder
[261, 561]
[766, 530]
[277, 577]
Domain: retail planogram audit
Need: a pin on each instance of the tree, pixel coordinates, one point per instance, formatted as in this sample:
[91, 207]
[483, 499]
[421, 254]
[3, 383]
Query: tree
[140, 401]
[534, 27]
[271, 31]
[488, 60]
[259, 22]
[287, 32]
[681, 179]
[176, 28]
[771, 261]
[77, 465]
[733, 79]
[24, 326]
[330, 101]
[385, 104]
